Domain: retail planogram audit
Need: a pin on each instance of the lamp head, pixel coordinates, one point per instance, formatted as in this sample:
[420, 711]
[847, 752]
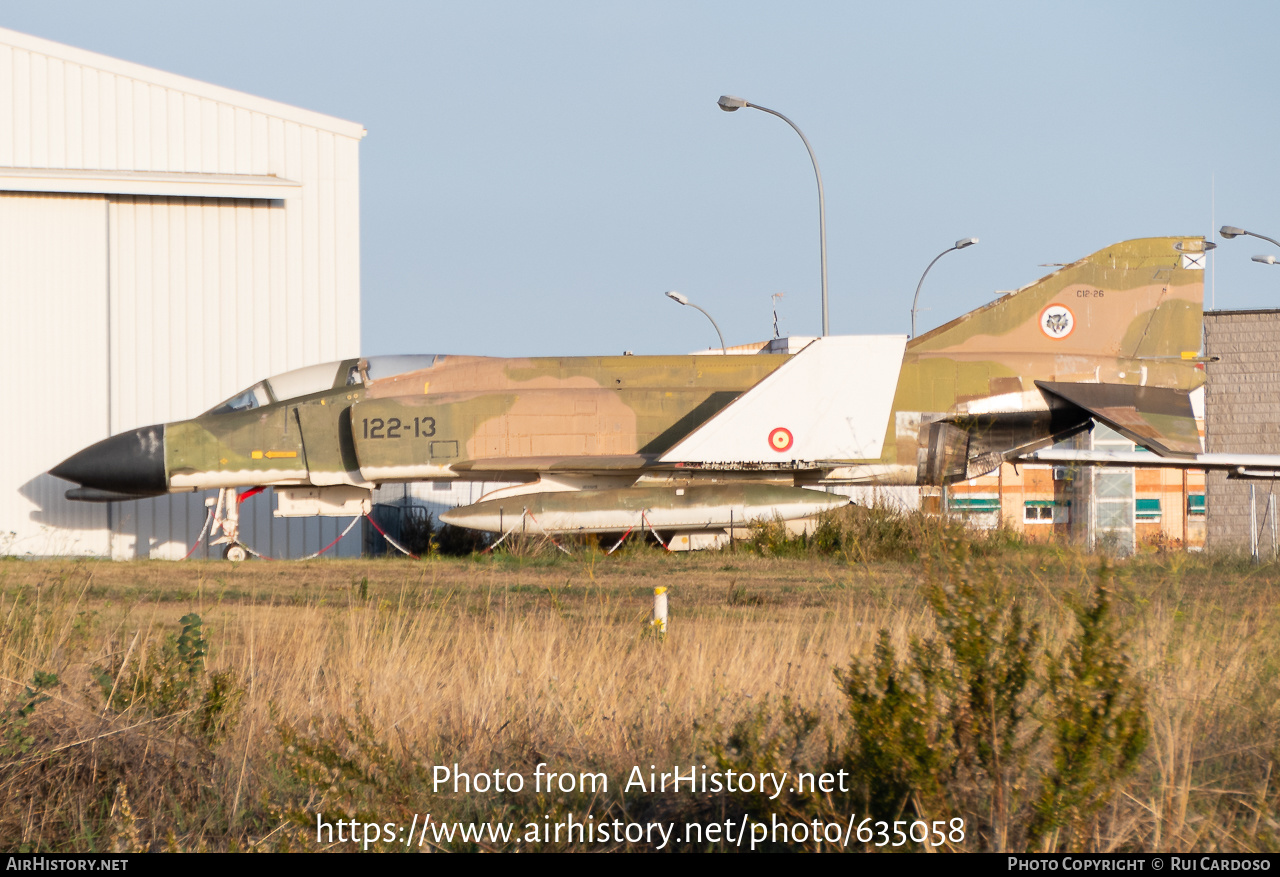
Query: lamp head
[1265, 260]
[965, 242]
[729, 103]
[677, 297]
[1230, 231]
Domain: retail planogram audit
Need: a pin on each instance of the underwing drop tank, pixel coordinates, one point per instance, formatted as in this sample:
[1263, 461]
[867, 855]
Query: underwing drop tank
[709, 507]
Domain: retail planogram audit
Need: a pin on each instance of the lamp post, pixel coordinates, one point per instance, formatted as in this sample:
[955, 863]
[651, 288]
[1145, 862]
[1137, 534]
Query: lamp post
[959, 245]
[684, 300]
[730, 104]
[1230, 231]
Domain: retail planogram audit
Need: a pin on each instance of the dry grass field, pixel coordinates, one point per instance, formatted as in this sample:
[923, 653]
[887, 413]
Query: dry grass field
[205, 705]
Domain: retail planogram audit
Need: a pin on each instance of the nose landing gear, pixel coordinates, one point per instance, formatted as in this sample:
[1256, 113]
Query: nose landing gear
[226, 516]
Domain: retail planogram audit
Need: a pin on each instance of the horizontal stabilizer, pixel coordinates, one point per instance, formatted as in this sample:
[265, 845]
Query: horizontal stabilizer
[1158, 418]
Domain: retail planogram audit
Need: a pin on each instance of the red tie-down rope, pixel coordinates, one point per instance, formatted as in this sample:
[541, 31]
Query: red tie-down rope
[256, 554]
[644, 518]
[252, 492]
[524, 513]
[336, 540]
[200, 538]
[390, 541]
[508, 533]
[241, 497]
[620, 541]
[545, 533]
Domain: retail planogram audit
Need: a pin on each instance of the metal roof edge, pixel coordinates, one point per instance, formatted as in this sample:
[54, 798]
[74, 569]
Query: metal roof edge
[1225, 312]
[185, 84]
[161, 183]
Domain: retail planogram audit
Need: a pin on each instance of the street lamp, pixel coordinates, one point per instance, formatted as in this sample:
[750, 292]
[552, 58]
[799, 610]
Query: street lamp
[684, 300]
[730, 104]
[959, 245]
[1265, 260]
[1230, 231]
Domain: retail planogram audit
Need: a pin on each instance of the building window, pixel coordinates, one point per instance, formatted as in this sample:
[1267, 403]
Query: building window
[974, 505]
[1147, 510]
[1038, 512]
[1195, 505]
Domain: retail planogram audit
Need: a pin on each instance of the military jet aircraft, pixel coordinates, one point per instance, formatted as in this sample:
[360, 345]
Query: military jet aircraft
[697, 444]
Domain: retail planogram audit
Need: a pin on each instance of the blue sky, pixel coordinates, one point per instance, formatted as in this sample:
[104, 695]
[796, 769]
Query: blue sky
[536, 175]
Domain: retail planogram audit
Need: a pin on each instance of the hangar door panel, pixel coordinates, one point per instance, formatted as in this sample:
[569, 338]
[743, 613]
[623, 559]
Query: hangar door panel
[54, 330]
[200, 309]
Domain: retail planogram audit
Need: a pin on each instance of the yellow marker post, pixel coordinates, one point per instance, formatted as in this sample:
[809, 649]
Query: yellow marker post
[659, 610]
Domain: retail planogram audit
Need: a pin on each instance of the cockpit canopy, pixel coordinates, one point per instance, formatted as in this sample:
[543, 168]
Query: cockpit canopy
[311, 379]
[254, 397]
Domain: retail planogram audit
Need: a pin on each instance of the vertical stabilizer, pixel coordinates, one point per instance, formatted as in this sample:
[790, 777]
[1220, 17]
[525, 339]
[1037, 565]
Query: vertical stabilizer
[1136, 300]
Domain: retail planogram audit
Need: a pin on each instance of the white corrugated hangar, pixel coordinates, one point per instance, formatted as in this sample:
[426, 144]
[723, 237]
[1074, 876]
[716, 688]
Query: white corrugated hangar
[164, 243]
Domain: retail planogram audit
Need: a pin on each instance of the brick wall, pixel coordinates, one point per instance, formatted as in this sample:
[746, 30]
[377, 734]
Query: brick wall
[1242, 416]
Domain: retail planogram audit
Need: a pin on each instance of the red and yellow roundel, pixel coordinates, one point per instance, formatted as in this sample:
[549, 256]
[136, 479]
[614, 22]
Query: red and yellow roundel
[780, 439]
[1057, 321]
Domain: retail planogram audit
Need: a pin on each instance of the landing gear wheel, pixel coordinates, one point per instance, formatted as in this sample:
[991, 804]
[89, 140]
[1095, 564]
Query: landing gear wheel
[234, 553]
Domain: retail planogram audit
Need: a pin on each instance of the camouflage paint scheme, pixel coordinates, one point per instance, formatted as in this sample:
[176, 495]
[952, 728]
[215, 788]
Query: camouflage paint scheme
[990, 385]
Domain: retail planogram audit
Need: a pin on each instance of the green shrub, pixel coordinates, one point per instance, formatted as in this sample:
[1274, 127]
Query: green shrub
[454, 541]
[944, 731]
[877, 534]
[15, 739]
[980, 721]
[417, 531]
[899, 749]
[1096, 723]
[770, 538]
[169, 679]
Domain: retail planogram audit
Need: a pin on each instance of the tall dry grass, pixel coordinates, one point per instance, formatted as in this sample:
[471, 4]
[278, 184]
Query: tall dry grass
[357, 676]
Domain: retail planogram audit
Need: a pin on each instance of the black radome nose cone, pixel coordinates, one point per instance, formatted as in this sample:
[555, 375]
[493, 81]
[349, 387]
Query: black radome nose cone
[131, 462]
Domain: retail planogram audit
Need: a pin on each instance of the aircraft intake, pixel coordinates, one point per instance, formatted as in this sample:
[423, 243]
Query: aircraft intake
[713, 506]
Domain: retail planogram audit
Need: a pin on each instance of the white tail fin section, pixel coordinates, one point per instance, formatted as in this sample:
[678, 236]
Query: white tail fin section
[831, 401]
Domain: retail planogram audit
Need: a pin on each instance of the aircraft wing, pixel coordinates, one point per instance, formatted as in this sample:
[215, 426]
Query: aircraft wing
[527, 468]
[618, 464]
[1235, 465]
[588, 463]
